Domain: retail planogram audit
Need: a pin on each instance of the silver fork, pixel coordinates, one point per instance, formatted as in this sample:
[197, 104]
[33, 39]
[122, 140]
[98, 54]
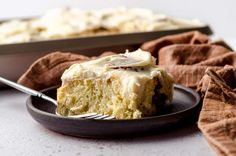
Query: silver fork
[45, 97]
[93, 116]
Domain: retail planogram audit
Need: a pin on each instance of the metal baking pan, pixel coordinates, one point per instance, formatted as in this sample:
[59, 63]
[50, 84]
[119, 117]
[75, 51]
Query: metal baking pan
[16, 58]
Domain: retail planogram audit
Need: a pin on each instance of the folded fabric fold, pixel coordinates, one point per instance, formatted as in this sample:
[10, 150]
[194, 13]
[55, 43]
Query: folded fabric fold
[192, 37]
[217, 118]
[189, 54]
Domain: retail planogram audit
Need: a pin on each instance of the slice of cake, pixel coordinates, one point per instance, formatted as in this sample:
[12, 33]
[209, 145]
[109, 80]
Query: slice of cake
[127, 86]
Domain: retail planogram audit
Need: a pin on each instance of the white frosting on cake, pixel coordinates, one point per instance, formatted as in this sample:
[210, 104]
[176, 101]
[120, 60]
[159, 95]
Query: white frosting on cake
[133, 69]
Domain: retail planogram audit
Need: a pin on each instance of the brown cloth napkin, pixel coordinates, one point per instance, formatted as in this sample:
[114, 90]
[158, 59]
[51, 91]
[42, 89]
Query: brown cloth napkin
[193, 37]
[193, 60]
[217, 119]
[189, 62]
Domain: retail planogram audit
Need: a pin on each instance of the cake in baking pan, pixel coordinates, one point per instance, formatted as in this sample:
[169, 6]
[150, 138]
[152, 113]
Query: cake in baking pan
[63, 23]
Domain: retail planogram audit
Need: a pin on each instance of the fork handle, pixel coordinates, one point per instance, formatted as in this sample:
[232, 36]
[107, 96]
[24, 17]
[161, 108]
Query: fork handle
[26, 90]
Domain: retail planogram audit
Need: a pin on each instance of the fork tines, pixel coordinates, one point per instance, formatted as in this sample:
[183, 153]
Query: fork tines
[93, 116]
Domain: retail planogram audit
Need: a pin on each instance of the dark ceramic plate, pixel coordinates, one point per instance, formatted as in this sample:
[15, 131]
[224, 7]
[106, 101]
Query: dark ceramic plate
[184, 105]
